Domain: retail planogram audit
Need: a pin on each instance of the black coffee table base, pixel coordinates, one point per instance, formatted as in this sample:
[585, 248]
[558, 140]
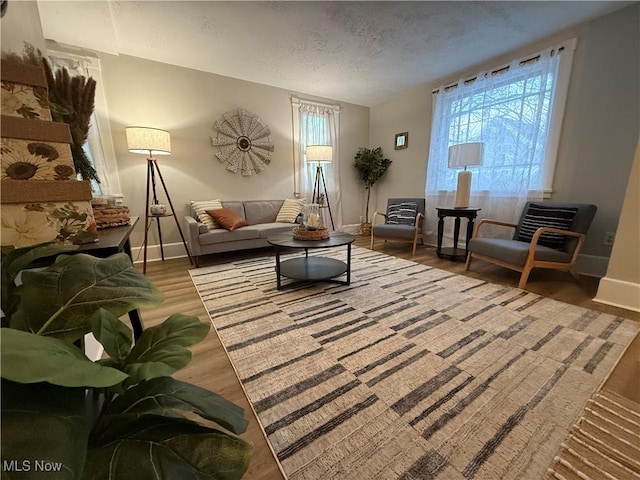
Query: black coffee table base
[312, 268]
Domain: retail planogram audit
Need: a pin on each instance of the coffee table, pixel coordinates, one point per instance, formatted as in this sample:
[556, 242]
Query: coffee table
[311, 268]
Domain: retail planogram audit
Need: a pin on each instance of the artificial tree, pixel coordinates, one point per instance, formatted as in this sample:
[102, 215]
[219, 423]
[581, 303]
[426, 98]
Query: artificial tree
[371, 166]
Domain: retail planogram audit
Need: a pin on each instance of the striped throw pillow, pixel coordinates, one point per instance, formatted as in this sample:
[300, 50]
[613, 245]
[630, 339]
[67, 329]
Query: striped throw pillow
[402, 213]
[542, 216]
[290, 210]
[201, 212]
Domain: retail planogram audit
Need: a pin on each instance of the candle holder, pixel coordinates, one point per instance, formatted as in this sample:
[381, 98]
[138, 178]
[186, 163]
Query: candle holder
[311, 218]
[312, 226]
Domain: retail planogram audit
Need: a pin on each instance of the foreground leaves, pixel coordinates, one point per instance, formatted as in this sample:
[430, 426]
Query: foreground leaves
[54, 430]
[171, 398]
[161, 350]
[60, 300]
[159, 447]
[29, 358]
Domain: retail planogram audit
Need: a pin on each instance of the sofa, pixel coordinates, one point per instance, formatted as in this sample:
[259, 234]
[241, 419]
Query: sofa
[260, 215]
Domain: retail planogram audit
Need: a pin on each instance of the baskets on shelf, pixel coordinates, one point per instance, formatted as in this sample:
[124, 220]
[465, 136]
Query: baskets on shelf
[107, 217]
[302, 233]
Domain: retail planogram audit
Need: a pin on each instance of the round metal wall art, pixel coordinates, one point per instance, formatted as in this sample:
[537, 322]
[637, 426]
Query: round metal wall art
[243, 142]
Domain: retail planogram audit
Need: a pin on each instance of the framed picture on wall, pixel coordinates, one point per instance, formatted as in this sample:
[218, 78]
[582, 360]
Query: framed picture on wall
[402, 140]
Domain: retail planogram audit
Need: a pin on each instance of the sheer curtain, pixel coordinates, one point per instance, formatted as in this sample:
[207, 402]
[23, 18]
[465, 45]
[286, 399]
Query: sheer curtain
[513, 111]
[317, 124]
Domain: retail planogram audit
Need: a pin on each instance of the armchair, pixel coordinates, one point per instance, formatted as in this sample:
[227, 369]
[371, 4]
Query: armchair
[403, 221]
[548, 235]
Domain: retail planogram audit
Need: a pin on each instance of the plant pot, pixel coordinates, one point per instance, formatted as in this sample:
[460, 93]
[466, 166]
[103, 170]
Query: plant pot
[365, 229]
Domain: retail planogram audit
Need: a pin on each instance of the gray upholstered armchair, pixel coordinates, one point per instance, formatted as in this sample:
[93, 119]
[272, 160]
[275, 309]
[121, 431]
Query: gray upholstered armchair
[548, 235]
[402, 221]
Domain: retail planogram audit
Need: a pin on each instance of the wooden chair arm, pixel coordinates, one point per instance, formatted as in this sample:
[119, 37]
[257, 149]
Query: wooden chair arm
[373, 217]
[536, 236]
[491, 222]
[418, 221]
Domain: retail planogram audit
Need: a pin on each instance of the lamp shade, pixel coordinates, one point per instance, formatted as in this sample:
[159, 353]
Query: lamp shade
[466, 154]
[150, 141]
[319, 153]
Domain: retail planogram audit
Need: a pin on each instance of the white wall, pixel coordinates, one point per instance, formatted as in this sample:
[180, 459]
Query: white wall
[599, 131]
[187, 103]
[20, 24]
[621, 286]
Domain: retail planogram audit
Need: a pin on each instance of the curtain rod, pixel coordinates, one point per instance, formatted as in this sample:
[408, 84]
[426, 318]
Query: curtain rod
[498, 70]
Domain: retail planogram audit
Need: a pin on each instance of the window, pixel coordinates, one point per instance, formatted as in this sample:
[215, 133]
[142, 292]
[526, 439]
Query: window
[316, 124]
[99, 146]
[516, 111]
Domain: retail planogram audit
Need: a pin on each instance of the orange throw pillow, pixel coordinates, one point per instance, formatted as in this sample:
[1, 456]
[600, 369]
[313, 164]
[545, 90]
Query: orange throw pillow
[227, 219]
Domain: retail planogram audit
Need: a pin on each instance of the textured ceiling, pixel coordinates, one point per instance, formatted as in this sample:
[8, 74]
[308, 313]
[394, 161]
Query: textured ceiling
[357, 52]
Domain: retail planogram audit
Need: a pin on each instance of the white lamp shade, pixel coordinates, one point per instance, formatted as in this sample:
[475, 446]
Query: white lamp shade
[320, 153]
[149, 141]
[466, 154]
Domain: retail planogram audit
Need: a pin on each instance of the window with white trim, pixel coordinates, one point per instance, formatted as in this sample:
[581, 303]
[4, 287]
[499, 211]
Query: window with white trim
[516, 111]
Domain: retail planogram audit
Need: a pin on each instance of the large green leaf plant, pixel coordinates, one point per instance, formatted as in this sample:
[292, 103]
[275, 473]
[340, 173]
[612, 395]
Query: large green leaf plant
[121, 417]
[371, 165]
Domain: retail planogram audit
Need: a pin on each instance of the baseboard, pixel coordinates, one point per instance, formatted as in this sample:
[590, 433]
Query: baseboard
[592, 265]
[619, 293]
[171, 250]
[353, 229]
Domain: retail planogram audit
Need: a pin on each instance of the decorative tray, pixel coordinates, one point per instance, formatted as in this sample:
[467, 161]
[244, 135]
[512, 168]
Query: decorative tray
[301, 233]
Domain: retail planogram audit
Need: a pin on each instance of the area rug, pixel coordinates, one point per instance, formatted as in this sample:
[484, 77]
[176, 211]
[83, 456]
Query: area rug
[603, 444]
[410, 372]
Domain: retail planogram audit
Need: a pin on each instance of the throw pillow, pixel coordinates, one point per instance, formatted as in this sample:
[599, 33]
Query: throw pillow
[227, 218]
[538, 216]
[201, 211]
[290, 210]
[402, 213]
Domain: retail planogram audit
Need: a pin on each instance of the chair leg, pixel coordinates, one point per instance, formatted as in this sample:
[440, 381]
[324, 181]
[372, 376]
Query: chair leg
[524, 277]
[371, 240]
[574, 273]
[468, 262]
[415, 243]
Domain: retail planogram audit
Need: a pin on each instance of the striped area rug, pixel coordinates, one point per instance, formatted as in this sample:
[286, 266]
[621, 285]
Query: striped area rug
[604, 444]
[410, 372]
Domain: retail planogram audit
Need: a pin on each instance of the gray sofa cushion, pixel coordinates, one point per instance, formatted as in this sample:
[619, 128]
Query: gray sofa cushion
[267, 229]
[261, 211]
[235, 207]
[220, 235]
[513, 251]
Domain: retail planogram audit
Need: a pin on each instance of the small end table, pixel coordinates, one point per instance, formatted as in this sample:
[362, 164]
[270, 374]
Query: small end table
[454, 252]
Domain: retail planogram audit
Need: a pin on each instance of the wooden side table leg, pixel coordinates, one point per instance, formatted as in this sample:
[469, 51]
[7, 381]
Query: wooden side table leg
[456, 232]
[470, 225]
[440, 233]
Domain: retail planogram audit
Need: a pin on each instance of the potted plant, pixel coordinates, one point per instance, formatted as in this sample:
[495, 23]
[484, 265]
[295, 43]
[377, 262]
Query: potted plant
[120, 417]
[371, 166]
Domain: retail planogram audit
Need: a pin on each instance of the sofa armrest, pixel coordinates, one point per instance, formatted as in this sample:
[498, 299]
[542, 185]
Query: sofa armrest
[192, 233]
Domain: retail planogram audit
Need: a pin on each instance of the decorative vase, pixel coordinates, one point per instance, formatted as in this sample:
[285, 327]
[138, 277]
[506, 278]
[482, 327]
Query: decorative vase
[158, 209]
[311, 218]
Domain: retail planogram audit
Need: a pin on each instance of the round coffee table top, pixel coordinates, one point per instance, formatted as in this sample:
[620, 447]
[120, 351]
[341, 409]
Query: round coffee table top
[335, 240]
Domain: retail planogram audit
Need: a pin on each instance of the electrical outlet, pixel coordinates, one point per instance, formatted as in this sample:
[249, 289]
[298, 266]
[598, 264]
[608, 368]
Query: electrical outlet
[609, 237]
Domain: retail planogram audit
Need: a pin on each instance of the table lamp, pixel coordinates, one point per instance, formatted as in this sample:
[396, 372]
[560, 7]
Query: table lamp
[465, 155]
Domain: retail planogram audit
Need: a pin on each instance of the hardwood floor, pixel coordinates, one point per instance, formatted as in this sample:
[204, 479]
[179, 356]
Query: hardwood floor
[211, 369]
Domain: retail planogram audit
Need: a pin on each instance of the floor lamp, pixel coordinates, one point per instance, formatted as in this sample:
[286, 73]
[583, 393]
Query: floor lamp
[321, 154]
[150, 141]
